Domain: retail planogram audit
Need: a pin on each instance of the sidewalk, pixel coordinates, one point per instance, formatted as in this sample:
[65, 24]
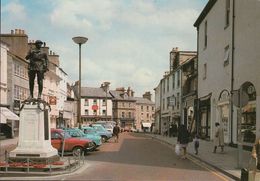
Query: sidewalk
[226, 162]
[7, 145]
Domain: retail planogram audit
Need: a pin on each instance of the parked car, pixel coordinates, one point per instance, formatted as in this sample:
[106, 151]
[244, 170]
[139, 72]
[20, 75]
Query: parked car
[77, 133]
[107, 125]
[102, 132]
[73, 145]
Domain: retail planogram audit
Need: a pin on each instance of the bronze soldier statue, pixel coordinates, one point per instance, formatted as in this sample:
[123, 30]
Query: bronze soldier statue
[38, 65]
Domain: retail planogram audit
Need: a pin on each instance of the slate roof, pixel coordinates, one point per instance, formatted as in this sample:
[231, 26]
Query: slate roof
[117, 95]
[141, 100]
[92, 92]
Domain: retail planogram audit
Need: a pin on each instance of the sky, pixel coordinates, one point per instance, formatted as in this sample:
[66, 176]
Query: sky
[129, 41]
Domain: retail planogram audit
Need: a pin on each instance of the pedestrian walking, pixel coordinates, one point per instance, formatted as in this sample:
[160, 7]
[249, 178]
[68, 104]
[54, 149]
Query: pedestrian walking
[116, 131]
[219, 138]
[183, 139]
[256, 153]
[196, 144]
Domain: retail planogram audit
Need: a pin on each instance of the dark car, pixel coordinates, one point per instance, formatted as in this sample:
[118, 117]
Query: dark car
[72, 145]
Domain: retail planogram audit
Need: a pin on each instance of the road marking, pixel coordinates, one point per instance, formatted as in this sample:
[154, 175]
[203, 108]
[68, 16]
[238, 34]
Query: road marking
[210, 169]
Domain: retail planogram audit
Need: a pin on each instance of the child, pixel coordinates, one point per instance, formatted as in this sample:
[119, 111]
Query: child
[196, 144]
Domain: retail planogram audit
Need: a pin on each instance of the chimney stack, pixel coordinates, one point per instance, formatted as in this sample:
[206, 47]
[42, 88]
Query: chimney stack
[147, 95]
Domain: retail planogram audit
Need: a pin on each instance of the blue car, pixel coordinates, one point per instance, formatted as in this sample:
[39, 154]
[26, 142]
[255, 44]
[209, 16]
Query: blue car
[102, 132]
[75, 132]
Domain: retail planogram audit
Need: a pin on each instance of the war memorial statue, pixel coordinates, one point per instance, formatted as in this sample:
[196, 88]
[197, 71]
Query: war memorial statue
[38, 65]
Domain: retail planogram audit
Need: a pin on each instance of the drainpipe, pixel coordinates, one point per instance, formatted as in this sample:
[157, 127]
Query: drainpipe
[160, 118]
[232, 70]
[196, 112]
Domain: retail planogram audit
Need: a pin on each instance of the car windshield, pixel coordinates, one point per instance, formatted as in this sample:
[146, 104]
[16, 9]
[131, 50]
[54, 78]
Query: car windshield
[65, 134]
[89, 131]
[99, 128]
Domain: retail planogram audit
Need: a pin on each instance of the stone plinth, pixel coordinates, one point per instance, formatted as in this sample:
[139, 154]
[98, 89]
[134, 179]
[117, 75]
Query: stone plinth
[34, 133]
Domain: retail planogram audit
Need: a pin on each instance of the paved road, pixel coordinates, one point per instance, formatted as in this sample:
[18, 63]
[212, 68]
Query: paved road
[137, 157]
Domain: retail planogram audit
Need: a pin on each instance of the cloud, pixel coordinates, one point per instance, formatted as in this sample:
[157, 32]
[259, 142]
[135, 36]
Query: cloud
[15, 11]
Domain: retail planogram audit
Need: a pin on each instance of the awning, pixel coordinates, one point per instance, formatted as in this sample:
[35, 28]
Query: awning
[147, 125]
[7, 114]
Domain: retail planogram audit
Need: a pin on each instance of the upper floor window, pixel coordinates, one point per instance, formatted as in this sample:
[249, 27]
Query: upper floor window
[129, 114]
[86, 102]
[147, 108]
[178, 79]
[227, 12]
[86, 111]
[173, 81]
[95, 112]
[94, 102]
[103, 112]
[167, 84]
[103, 102]
[226, 55]
[142, 108]
[205, 34]
[204, 71]
[123, 114]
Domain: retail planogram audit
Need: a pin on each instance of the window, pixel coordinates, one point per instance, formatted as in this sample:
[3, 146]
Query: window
[147, 108]
[103, 102]
[173, 81]
[205, 71]
[168, 102]
[129, 114]
[226, 56]
[163, 84]
[142, 108]
[123, 104]
[152, 108]
[227, 12]
[178, 79]
[20, 93]
[123, 114]
[104, 112]
[163, 104]
[86, 102]
[147, 115]
[205, 34]
[95, 112]
[178, 100]
[94, 102]
[167, 84]
[86, 111]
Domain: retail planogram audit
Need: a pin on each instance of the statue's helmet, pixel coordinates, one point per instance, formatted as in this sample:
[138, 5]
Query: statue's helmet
[38, 42]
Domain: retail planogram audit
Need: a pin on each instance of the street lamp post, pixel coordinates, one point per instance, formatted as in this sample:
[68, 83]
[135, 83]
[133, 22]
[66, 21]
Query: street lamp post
[79, 40]
[105, 87]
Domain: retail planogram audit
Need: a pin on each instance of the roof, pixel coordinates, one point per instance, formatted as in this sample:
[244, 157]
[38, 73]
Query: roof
[204, 12]
[94, 92]
[141, 100]
[118, 95]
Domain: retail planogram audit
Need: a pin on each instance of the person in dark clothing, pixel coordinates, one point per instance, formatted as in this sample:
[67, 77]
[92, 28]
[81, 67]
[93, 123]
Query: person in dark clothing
[116, 131]
[174, 129]
[183, 139]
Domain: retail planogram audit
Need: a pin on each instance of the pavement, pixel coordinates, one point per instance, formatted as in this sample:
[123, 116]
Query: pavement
[226, 162]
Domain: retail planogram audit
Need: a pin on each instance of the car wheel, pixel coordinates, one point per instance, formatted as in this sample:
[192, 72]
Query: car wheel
[76, 151]
[103, 139]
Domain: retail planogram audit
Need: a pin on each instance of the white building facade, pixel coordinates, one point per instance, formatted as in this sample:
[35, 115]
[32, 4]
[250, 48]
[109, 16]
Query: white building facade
[229, 65]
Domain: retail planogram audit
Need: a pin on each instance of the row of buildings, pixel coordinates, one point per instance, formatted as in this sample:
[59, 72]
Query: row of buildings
[220, 81]
[96, 103]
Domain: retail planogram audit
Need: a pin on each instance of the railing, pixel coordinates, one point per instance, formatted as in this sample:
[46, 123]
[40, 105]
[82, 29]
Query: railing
[29, 165]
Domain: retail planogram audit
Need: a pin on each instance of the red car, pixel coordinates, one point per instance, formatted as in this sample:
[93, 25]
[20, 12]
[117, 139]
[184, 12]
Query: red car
[74, 145]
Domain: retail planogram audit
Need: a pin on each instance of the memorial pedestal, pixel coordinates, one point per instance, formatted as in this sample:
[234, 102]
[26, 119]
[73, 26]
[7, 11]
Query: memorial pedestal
[34, 134]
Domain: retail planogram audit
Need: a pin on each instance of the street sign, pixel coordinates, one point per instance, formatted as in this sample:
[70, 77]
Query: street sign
[240, 99]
